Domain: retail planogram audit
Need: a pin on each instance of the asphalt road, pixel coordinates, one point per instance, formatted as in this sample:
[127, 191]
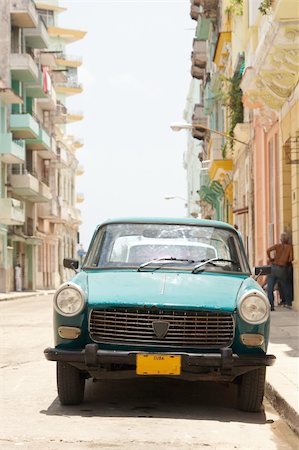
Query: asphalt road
[135, 414]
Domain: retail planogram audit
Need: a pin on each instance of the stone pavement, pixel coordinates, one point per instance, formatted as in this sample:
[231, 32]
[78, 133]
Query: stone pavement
[282, 379]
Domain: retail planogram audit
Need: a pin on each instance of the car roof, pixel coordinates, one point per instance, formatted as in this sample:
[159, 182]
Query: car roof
[169, 220]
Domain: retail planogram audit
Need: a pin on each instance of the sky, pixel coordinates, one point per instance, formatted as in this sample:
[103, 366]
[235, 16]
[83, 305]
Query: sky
[136, 76]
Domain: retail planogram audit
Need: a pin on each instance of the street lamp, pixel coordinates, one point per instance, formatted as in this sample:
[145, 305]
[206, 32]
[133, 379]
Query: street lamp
[200, 126]
[187, 202]
[173, 197]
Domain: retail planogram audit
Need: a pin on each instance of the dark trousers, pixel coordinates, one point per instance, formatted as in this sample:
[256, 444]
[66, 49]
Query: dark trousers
[279, 275]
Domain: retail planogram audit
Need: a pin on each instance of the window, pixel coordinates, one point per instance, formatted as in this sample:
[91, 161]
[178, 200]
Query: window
[127, 245]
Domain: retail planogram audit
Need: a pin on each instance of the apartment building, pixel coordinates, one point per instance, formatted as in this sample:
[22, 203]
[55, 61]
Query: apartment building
[39, 218]
[245, 54]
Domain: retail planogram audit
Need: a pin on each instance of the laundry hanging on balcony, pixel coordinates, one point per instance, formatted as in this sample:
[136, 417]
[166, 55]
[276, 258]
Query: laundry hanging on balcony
[47, 82]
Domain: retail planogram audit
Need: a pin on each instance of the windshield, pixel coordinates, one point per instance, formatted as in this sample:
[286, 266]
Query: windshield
[152, 245]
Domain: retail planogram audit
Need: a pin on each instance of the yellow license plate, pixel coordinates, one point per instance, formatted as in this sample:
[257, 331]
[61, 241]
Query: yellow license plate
[158, 364]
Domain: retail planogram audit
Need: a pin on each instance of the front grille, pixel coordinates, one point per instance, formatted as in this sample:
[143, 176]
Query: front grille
[132, 326]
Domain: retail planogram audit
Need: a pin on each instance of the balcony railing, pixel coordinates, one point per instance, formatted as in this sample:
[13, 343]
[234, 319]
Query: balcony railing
[199, 54]
[37, 37]
[25, 185]
[68, 60]
[48, 210]
[199, 118]
[198, 72]
[12, 211]
[210, 7]
[24, 126]
[23, 68]
[194, 11]
[11, 151]
[50, 102]
[70, 85]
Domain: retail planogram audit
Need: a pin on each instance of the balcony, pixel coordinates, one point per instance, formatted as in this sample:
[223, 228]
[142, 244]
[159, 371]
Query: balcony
[49, 153]
[80, 197]
[79, 170]
[49, 103]
[24, 126]
[41, 142]
[59, 77]
[271, 76]
[35, 89]
[12, 152]
[199, 54]
[283, 10]
[63, 116]
[60, 113]
[74, 116]
[48, 211]
[78, 143]
[219, 166]
[223, 49]
[194, 11]
[12, 211]
[23, 68]
[210, 7]
[215, 147]
[62, 158]
[47, 6]
[44, 194]
[199, 117]
[23, 14]
[9, 97]
[47, 58]
[37, 37]
[66, 34]
[25, 185]
[63, 211]
[68, 60]
[69, 88]
[198, 72]
[75, 215]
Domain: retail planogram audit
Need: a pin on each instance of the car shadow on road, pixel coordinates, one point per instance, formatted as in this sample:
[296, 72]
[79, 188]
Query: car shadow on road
[152, 398]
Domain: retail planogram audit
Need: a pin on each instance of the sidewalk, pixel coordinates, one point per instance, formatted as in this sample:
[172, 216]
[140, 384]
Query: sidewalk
[16, 295]
[282, 387]
[282, 384]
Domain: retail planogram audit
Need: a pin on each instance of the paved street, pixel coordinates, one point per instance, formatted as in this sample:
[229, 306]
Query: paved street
[148, 414]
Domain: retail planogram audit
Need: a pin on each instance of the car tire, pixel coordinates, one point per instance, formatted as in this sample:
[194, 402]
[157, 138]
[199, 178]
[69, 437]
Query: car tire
[251, 391]
[70, 384]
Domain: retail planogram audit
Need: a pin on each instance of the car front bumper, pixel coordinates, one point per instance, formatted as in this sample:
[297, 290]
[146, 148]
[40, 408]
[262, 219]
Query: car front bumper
[102, 364]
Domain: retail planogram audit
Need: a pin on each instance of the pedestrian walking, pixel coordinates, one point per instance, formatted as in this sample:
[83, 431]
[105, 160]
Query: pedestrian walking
[18, 277]
[280, 257]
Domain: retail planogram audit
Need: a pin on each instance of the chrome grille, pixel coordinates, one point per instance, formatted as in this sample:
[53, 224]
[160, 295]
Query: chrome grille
[186, 328]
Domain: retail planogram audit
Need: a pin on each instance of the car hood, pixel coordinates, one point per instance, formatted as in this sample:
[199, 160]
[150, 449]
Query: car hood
[171, 289]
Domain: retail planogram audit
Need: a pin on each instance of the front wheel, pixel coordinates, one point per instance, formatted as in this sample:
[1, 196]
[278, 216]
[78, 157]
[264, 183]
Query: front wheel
[251, 392]
[70, 384]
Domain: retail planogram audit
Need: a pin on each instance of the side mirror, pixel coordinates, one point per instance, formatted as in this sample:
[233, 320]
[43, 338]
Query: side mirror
[69, 263]
[262, 270]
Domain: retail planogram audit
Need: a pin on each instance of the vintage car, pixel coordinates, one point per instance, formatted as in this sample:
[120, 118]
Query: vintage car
[162, 298]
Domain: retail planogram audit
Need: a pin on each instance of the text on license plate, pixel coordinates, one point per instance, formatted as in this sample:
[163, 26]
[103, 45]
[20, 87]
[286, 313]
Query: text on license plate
[156, 364]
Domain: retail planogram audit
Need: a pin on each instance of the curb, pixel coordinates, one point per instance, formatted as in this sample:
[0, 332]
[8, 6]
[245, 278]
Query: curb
[19, 295]
[282, 407]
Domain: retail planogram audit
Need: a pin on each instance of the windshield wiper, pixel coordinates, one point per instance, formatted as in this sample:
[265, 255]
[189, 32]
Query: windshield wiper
[153, 261]
[211, 261]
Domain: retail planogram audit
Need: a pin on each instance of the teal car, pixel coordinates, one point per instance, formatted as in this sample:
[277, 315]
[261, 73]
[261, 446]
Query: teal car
[162, 298]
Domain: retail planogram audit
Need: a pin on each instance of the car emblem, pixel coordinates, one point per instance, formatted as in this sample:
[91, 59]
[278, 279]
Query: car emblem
[160, 329]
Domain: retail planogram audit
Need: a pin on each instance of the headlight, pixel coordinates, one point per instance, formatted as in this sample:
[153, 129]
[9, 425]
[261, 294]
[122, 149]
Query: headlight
[69, 300]
[254, 307]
